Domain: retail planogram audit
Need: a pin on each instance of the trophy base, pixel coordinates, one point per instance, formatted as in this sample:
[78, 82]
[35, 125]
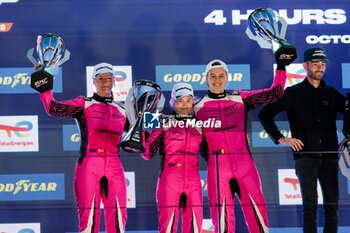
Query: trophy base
[132, 147]
[286, 54]
[41, 81]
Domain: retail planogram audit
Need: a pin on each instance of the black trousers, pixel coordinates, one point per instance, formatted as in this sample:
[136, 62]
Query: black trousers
[309, 170]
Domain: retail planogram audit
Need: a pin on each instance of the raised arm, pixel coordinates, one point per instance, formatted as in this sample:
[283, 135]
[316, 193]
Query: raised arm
[255, 98]
[67, 108]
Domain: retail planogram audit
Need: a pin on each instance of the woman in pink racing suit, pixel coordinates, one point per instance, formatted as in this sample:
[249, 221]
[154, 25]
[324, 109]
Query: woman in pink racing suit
[179, 188]
[238, 175]
[99, 173]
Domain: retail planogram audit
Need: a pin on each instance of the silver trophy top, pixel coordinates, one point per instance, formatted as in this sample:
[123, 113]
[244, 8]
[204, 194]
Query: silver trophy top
[263, 27]
[143, 96]
[263, 22]
[50, 52]
[146, 94]
[50, 49]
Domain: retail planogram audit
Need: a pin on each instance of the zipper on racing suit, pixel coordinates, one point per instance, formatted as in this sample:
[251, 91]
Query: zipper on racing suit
[184, 160]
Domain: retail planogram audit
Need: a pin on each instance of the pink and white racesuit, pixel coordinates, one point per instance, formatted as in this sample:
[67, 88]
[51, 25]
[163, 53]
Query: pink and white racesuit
[237, 172]
[99, 174]
[179, 186]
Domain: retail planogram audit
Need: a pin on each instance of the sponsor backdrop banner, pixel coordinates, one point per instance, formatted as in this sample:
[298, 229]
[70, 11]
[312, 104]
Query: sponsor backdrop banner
[289, 188]
[167, 42]
[18, 133]
[167, 76]
[17, 80]
[32, 187]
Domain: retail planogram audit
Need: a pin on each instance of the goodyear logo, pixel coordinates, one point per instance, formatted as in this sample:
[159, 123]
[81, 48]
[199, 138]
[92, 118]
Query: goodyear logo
[260, 138]
[17, 80]
[32, 187]
[345, 67]
[71, 138]
[168, 75]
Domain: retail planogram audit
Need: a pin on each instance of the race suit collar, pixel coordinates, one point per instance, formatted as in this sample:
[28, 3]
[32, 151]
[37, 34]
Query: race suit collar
[102, 99]
[217, 96]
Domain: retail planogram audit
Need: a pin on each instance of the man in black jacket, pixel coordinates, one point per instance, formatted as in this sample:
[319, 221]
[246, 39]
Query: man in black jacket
[312, 108]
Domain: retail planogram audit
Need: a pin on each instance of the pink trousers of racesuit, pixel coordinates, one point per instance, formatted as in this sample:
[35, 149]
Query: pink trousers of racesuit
[89, 193]
[179, 190]
[240, 178]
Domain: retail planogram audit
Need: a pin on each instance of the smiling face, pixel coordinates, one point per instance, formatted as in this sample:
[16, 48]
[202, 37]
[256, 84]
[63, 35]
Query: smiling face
[104, 84]
[315, 69]
[184, 106]
[217, 79]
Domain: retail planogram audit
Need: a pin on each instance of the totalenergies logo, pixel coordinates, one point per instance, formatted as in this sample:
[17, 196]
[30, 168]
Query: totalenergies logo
[18, 129]
[289, 188]
[120, 76]
[294, 78]
[25, 185]
[295, 74]
[120, 87]
[294, 182]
